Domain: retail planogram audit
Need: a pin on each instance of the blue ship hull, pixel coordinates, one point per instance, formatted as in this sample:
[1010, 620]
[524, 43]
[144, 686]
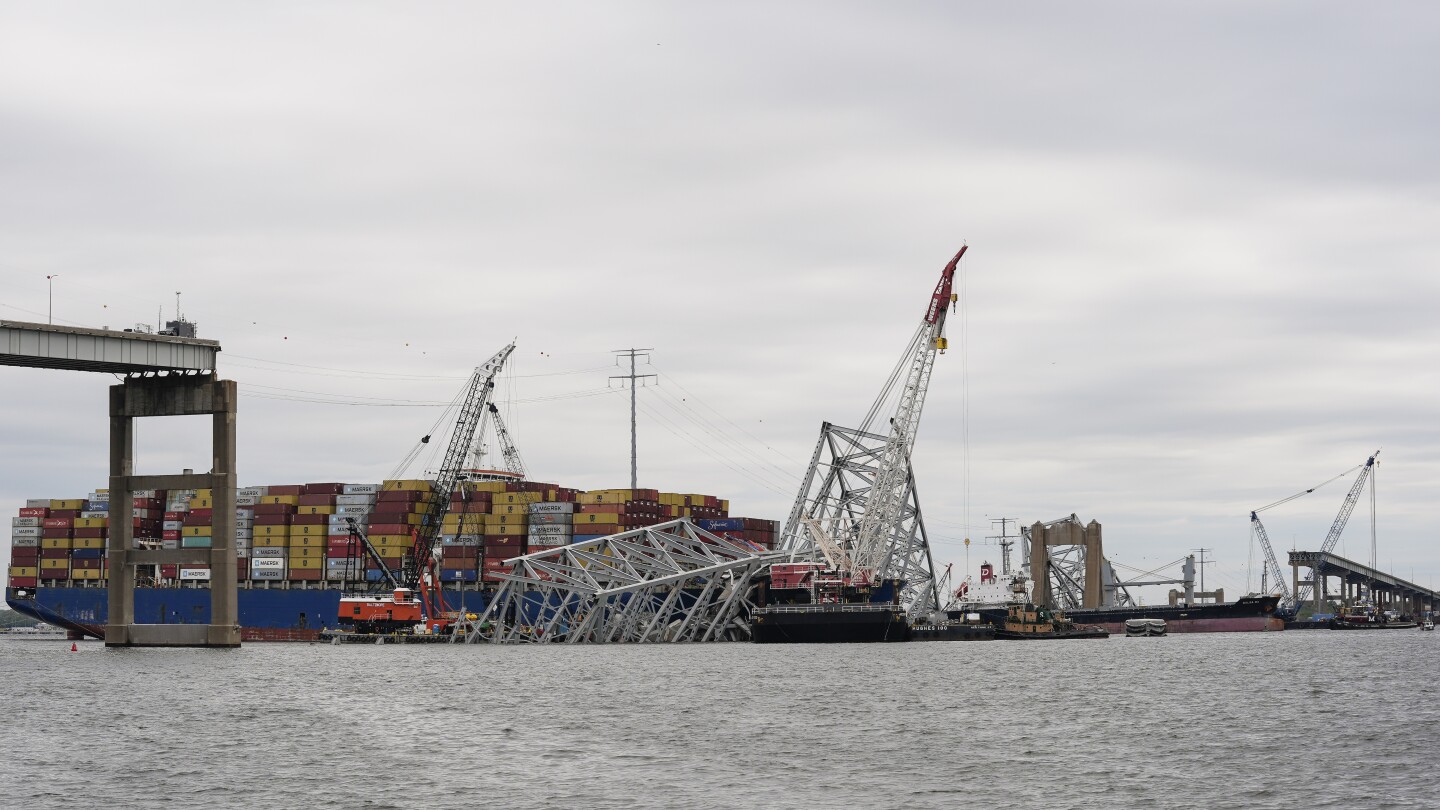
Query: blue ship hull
[302, 611]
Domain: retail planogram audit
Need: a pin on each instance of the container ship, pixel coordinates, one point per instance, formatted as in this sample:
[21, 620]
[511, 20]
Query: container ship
[298, 558]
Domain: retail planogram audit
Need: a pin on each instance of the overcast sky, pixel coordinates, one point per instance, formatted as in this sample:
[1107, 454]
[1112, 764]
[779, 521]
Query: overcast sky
[1202, 272]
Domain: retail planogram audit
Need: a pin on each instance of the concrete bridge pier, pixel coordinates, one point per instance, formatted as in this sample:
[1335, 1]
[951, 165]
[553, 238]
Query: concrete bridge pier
[172, 395]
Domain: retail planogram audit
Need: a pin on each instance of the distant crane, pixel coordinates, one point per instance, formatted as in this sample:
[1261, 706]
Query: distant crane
[511, 462]
[1290, 603]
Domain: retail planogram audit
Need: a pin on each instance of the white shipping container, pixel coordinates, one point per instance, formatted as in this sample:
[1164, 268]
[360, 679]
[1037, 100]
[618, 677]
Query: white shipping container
[172, 525]
[548, 541]
[195, 573]
[143, 493]
[25, 542]
[267, 563]
[93, 514]
[268, 551]
[145, 514]
[551, 508]
[38, 503]
[353, 510]
[245, 533]
[98, 496]
[544, 529]
[243, 554]
[361, 489]
[551, 519]
[354, 500]
[267, 573]
[169, 544]
[26, 522]
[247, 500]
[25, 531]
[251, 492]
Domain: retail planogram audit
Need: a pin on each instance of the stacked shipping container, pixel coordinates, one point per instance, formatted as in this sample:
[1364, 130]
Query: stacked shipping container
[298, 535]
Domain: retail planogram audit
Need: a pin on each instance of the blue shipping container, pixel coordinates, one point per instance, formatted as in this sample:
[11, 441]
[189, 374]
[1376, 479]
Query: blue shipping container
[88, 553]
[722, 524]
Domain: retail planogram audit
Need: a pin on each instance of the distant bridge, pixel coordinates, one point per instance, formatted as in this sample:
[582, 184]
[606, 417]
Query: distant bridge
[73, 348]
[1388, 590]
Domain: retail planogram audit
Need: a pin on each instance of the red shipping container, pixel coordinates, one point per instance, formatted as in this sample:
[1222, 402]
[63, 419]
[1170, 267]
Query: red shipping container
[192, 520]
[170, 535]
[173, 516]
[342, 549]
[286, 489]
[65, 513]
[56, 523]
[23, 554]
[98, 531]
[321, 489]
[204, 513]
[497, 539]
[272, 520]
[399, 496]
[54, 553]
[390, 528]
[305, 574]
[596, 528]
[147, 503]
[169, 571]
[310, 520]
[24, 582]
[35, 511]
[274, 509]
[459, 564]
[459, 552]
[93, 563]
[504, 551]
[54, 533]
[318, 499]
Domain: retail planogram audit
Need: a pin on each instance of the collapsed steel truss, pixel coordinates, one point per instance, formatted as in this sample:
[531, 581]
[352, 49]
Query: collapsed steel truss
[836, 487]
[671, 582]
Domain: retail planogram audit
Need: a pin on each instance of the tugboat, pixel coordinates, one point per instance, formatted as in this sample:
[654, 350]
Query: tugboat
[1363, 615]
[1025, 620]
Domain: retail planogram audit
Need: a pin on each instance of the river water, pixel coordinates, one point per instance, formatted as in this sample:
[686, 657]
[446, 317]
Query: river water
[1312, 719]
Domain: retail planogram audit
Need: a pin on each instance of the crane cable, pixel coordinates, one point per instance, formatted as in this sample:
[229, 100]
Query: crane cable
[1311, 489]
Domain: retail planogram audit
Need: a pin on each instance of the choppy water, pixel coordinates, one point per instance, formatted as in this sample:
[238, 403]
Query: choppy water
[1304, 720]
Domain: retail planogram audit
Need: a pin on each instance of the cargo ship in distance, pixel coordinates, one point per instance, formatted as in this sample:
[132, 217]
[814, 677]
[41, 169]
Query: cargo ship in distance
[995, 592]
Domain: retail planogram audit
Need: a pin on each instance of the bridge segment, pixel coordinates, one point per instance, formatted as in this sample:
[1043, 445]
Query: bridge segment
[1389, 591]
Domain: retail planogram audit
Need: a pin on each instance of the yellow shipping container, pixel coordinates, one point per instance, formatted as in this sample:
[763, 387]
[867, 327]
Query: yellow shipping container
[725, 507]
[204, 493]
[672, 499]
[519, 520]
[510, 529]
[395, 541]
[306, 554]
[596, 517]
[88, 542]
[275, 541]
[290, 499]
[517, 497]
[313, 541]
[205, 502]
[49, 563]
[55, 542]
[309, 530]
[307, 564]
[91, 523]
[409, 484]
[510, 509]
[24, 571]
[486, 486]
[86, 573]
[196, 531]
[315, 510]
[68, 503]
[271, 530]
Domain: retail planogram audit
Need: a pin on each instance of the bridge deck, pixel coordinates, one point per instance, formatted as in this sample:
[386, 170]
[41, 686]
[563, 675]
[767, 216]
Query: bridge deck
[38, 345]
[1337, 566]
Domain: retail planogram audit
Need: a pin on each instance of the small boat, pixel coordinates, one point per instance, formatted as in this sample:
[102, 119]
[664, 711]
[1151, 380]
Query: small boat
[1428, 624]
[1024, 621]
[1144, 627]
